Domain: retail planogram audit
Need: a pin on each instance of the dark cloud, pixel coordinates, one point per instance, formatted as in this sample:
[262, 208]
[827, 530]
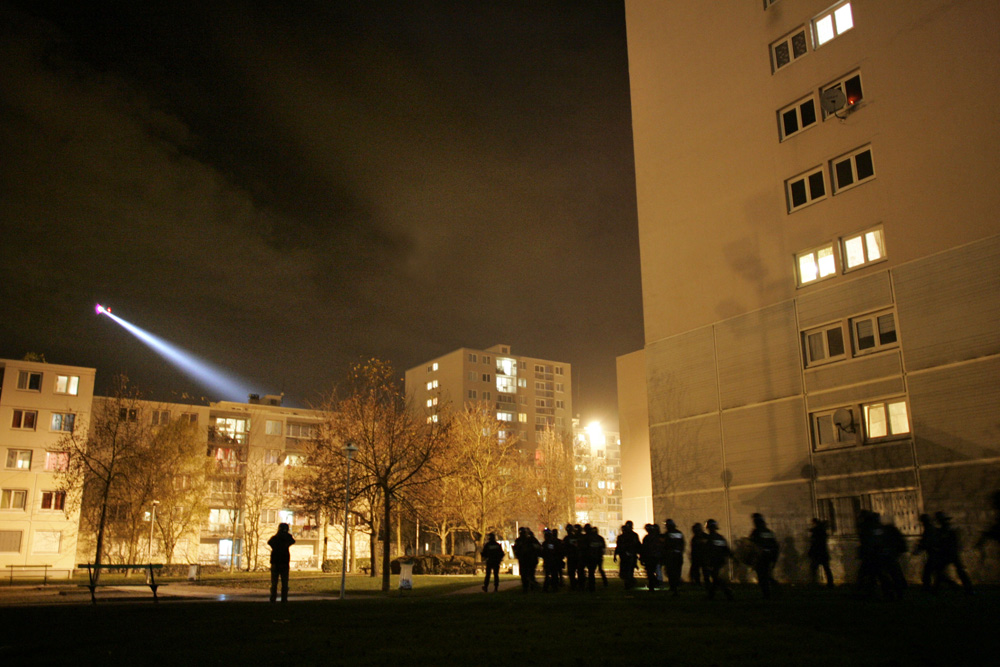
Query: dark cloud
[283, 188]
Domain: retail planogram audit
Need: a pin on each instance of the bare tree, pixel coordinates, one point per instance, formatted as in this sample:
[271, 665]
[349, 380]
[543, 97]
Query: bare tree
[395, 450]
[261, 492]
[179, 471]
[554, 478]
[103, 462]
[489, 470]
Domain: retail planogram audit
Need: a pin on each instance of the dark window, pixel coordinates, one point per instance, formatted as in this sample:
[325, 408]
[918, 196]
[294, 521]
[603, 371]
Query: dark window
[852, 89]
[835, 341]
[781, 56]
[886, 329]
[845, 175]
[808, 113]
[816, 187]
[791, 122]
[799, 44]
[798, 189]
[866, 168]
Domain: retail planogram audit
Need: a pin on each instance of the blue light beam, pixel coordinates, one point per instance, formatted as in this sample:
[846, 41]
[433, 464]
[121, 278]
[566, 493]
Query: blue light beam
[211, 377]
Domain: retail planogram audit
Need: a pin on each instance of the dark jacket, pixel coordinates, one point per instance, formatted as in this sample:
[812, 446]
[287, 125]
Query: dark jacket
[280, 543]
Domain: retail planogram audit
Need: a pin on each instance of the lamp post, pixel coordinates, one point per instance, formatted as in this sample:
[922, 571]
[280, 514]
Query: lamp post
[349, 451]
[152, 524]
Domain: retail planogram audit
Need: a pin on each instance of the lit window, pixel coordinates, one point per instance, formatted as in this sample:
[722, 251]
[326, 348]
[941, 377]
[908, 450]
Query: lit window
[295, 460]
[13, 499]
[832, 23]
[19, 459]
[56, 461]
[434, 366]
[852, 169]
[522, 417]
[796, 117]
[805, 189]
[850, 86]
[29, 381]
[505, 416]
[874, 332]
[272, 427]
[53, 500]
[863, 248]
[24, 420]
[272, 456]
[789, 48]
[63, 421]
[67, 384]
[887, 419]
[824, 344]
[304, 431]
[816, 264]
[506, 384]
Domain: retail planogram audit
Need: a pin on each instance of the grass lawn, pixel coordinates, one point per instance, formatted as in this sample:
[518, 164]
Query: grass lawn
[610, 626]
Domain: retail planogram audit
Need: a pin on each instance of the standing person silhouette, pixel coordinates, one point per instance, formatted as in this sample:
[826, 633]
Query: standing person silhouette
[280, 561]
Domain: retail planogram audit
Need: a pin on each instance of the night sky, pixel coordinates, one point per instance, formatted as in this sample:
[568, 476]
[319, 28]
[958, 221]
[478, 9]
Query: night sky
[285, 188]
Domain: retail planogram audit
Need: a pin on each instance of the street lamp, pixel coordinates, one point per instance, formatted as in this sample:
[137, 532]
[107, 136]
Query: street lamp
[349, 451]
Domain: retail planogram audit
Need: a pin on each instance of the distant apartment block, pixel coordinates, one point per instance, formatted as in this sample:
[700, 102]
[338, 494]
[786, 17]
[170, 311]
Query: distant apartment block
[597, 478]
[527, 393]
[40, 403]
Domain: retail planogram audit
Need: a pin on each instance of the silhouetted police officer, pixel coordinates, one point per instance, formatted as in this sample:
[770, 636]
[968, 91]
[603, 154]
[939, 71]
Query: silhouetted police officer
[527, 551]
[627, 553]
[819, 551]
[717, 555]
[594, 546]
[950, 549]
[699, 541]
[652, 554]
[673, 555]
[571, 550]
[493, 555]
[767, 549]
[552, 560]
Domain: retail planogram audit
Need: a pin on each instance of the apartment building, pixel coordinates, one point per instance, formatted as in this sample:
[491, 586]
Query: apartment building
[819, 245]
[528, 393]
[597, 478]
[40, 404]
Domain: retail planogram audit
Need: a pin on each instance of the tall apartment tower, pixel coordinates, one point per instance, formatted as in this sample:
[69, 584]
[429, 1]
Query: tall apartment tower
[40, 403]
[530, 394]
[819, 240]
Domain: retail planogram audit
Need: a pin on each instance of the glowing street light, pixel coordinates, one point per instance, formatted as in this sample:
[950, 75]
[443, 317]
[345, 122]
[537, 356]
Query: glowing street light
[349, 451]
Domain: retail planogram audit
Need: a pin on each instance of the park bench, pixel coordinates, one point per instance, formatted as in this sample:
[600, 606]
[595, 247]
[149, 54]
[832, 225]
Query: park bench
[93, 570]
[44, 569]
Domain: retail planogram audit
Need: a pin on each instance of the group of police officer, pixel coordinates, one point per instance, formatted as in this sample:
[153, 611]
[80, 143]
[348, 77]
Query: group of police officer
[580, 555]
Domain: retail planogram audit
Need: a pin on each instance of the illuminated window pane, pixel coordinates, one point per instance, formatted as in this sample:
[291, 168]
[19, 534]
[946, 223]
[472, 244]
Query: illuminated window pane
[898, 420]
[824, 30]
[808, 271]
[854, 252]
[875, 421]
[827, 264]
[843, 19]
[873, 242]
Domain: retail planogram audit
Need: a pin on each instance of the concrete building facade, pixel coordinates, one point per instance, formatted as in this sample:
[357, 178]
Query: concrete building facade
[528, 393]
[819, 245]
[40, 404]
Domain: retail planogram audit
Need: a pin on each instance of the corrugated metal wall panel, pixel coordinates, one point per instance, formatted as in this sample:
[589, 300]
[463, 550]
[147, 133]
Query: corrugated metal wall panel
[949, 305]
[686, 455]
[856, 394]
[956, 412]
[844, 300]
[690, 508]
[681, 376]
[758, 356]
[766, 443]
[864, 458]
[854, 371]
[853, 486]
